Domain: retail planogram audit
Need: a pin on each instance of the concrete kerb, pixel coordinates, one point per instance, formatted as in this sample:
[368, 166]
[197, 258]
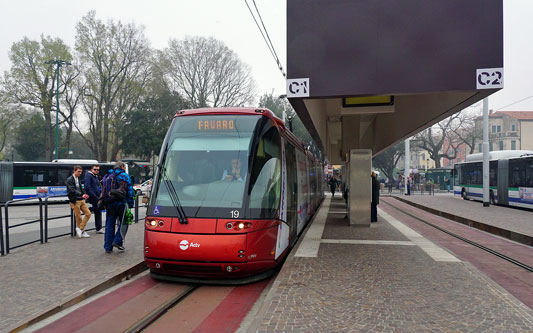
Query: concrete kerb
[81, 296]
[253, 325]
[514, 236]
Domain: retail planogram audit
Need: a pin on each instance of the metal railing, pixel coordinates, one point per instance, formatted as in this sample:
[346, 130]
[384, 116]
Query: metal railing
[40, 220]
[43, 221]
[46, 219]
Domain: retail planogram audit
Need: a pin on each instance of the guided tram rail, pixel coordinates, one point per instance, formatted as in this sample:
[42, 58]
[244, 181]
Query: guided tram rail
[233, 190]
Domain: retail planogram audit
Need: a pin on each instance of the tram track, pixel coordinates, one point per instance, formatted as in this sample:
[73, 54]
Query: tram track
[473, 243]
[161, 310]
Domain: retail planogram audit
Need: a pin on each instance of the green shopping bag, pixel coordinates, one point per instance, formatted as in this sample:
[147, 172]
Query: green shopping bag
[127, 219]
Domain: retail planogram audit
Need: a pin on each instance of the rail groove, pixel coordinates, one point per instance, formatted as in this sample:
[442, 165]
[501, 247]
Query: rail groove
[489, 250]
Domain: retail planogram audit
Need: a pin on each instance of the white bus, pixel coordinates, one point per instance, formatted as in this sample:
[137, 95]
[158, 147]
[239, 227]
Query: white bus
[47, 179]
[510, 178]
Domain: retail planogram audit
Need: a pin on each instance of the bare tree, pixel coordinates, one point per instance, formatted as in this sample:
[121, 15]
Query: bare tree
[466, 131]
[115, 60]
[32, 82]
[9, 114]
[207, 73]
[73, 92]
[439, 136]
[387, 160]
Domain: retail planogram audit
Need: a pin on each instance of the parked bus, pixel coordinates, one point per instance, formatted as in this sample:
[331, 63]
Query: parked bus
[44, 179]
[510, 178]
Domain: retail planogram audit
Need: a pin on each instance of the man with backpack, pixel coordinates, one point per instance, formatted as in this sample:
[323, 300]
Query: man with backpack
[117, 192]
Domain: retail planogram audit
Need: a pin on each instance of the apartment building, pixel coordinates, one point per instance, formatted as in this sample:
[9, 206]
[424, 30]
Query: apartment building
[508, 130]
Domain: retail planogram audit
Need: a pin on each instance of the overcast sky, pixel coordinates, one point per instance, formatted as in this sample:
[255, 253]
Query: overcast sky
[230, 21]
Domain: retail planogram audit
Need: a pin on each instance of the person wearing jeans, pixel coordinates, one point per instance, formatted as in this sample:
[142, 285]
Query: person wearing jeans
[92, 188]
[115, 207]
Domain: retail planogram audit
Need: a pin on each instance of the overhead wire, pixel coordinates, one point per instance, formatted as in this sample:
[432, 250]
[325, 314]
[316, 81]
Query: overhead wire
[523, 99]
[266, 37]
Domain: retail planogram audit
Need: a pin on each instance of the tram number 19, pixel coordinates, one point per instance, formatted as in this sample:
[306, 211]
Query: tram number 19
[234, 214]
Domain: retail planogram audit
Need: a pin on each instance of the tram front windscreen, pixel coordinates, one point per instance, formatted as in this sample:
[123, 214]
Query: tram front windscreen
[206, 163]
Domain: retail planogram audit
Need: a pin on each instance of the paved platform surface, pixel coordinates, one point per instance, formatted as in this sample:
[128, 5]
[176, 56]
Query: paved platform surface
[517, 220]
[36, 277]
[384, 279]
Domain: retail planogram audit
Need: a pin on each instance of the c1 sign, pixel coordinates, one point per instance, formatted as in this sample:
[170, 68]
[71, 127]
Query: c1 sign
[298, 87]
[489, 78]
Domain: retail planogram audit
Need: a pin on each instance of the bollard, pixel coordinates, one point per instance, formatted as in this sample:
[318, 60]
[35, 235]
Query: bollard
[46, 220]
[1, 233]
[136, 209]
[7, 226]
[41, 219]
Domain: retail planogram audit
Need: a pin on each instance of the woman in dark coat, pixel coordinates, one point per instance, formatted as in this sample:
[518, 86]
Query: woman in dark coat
[332, 185]
[375, 199]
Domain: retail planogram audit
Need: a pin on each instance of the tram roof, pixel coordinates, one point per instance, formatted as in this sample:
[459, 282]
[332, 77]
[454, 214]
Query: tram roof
[228, 110]
[240, 111]
[499, 155]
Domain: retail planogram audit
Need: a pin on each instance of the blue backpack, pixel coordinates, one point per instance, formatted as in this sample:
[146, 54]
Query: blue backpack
[112, 189]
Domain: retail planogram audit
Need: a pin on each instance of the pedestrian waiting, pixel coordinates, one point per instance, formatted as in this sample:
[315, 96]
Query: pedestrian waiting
[117, 197]
[92, 188]
[76, 197]
[375, 198]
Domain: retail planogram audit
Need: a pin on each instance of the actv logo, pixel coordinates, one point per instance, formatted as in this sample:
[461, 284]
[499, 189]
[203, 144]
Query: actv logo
[184, 245]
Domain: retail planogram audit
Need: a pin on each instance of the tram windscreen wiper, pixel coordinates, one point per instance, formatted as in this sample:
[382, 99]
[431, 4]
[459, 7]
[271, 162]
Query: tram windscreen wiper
[174, 196]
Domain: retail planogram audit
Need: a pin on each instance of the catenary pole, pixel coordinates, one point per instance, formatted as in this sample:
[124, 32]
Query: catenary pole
[57, 111]
[486, 200]
[58, 63]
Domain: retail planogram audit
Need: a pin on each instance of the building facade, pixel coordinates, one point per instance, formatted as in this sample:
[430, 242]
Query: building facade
[508, 130]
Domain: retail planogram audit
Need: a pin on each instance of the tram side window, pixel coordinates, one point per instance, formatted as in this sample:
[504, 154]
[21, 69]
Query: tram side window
[33, 177]
[493, 173]
[517, 173]
[265, 177]
[528, 163]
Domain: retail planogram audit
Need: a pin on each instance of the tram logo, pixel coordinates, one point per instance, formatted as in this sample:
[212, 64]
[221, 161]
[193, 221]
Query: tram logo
[184, 244]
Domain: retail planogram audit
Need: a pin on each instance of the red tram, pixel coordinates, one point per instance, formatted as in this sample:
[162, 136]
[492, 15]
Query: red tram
[233, 190]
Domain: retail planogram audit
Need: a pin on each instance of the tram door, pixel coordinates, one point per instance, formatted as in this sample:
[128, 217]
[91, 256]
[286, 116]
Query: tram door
[503, 182]
[292, 191]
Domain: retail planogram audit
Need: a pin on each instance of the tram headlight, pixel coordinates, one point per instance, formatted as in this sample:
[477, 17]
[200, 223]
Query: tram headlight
[153, 223]
[241, 225]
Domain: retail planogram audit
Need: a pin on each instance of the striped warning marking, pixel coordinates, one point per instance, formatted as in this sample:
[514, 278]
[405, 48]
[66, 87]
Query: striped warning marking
[311, 242]
[434, 251]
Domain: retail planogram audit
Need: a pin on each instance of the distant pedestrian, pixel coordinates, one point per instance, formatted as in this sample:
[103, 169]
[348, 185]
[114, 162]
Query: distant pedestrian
[408, 186]
[390, 186]
[92, 188]
[76, 197]
[448, 184]
[332, 185]
[117, 192]
[375, 199]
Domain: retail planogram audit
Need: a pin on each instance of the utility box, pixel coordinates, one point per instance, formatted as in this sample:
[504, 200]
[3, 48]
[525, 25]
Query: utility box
[6, 181]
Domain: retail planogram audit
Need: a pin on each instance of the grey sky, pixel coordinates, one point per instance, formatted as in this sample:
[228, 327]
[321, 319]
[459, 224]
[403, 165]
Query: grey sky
[230, 21]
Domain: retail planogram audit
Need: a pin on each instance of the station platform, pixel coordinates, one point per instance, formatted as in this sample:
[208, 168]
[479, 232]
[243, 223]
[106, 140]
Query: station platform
[386, 278]
[392, 276]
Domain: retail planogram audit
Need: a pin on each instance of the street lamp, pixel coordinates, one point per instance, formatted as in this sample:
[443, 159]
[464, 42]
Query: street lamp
[59, 63]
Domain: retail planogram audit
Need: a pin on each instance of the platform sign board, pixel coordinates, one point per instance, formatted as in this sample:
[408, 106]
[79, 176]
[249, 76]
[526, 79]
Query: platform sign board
[298, 87]
[489, 78]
